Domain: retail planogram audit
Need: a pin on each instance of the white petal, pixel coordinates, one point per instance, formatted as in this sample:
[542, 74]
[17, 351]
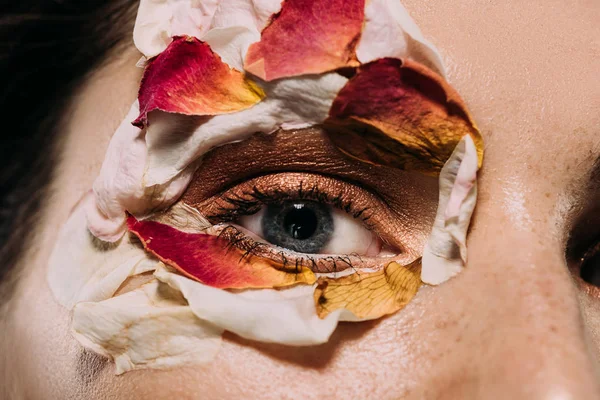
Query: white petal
[231, 44]
[445, 253]
[150, 327]
[159, 20]
[389, 31]
[120, 187]
[278, 316]
[82, 268]
[173, 144]
[119, 182]
[252, 14]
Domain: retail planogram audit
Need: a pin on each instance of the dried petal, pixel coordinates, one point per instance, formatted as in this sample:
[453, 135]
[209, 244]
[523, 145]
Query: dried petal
[285, 316]
[150, 327]
[82, 268]
[189, 78]
[174, 144]
[251, 14]
[120, 186]
[210, 260]
[231, 44]
[445, 253]
[402, 115]
[308, 37]
[389, 31]
[159, 20]
[369, 295]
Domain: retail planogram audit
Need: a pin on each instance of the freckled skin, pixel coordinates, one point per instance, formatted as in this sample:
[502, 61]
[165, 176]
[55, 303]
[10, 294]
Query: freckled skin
[510, 326]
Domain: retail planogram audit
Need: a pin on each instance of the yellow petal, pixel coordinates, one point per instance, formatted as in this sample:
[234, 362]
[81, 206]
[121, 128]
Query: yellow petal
[369, 295]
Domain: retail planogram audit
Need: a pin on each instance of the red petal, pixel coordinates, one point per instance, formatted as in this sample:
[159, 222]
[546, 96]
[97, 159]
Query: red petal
[211, 260]
[308, 37]
[400, 114]
[189, 78]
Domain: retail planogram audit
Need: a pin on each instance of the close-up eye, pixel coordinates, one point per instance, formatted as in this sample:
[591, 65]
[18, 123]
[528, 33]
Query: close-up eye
[583, 247]
[267, 199]
[589, 268]
[307, 219]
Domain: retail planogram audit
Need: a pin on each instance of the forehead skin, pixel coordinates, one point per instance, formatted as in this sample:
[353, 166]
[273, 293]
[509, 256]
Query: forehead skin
[510, 326]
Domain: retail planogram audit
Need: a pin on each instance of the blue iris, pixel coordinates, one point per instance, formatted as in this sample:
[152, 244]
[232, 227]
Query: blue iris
[301, 226]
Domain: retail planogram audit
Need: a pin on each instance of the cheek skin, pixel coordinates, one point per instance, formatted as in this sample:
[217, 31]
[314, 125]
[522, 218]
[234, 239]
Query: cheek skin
[509, 326]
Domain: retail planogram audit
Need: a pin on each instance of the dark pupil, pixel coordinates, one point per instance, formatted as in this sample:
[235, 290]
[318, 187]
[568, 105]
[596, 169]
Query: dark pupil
[302, 226]
[300, 222]
[590, 270]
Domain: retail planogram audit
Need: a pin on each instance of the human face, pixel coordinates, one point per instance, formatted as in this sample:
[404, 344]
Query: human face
[516, 323]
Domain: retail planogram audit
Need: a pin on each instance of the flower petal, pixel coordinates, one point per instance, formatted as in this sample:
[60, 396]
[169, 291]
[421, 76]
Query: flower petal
[231, 44]
[369, 295]
[285, 316]
[150, 327]
[159, 20]
[174, 144]
[211, 260]
[82, 268]
[189, 78]
[120, 185]
[445, 253]
[389, 31]
[251, 14]
[308, 37]
[400, 114]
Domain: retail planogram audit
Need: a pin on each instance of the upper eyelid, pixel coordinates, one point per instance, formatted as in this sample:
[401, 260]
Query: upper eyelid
[256, 193]
[397, 230]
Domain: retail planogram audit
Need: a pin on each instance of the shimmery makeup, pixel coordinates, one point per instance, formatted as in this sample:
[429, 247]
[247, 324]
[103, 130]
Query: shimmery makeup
[195, 97]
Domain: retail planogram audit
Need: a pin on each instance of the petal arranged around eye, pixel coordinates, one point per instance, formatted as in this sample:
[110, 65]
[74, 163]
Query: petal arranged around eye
[83, 268]
[150, 327]
[307, 37]
[159, 20]
[189, 78]
[211, 260]
[304, 100]
[285, 316]
[389, 31]
[120, 184]
[402, 115]
[445, 253]
[369, 295]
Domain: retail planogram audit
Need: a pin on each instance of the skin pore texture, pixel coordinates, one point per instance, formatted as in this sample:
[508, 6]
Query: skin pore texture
[514, 324]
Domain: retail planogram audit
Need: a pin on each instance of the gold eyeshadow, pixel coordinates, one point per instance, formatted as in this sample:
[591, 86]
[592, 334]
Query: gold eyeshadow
[246, 198]
[397, 206]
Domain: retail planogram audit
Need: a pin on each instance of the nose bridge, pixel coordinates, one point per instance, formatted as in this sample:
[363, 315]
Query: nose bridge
[526, 322]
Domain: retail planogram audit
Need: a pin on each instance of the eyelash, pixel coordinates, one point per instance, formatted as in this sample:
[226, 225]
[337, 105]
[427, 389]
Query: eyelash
[256, 199]
[585, 271]
[230, 206]
[251, 248]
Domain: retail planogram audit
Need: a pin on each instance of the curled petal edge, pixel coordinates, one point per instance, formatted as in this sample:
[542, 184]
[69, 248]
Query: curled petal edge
[445, 253]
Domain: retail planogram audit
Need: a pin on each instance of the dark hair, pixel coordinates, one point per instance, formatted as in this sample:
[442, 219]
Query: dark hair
[47, 49]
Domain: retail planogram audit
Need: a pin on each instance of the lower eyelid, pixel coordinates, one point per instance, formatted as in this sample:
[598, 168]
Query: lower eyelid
[404, 231]
[254, 246]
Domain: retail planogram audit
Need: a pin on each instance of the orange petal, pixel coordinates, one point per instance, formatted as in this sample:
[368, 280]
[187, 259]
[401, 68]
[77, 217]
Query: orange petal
[369, 295]
[308, 37]
[402, 115]
[189, 78]
[211, 260]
